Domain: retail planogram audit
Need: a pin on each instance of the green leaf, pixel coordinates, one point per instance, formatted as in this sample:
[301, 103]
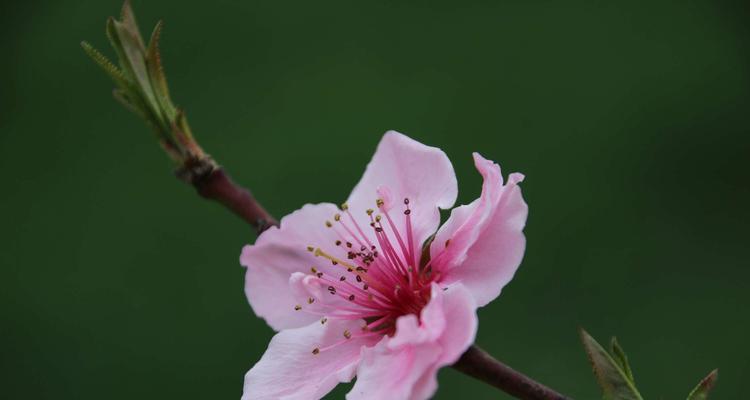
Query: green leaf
[142, 85]
[619, 356]
[156, 74]
[106, 65]
[704, 387]
[615, 382]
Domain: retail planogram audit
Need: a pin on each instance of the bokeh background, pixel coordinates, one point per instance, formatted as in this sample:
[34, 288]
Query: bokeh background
[630, 121]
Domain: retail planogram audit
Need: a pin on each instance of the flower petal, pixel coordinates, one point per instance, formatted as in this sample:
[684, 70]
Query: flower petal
[404, 168]
[289, 369]
[405, 366]
[481, 245]
[276, 255]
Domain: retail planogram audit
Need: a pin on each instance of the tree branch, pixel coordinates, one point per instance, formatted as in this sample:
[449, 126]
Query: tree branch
[476, 363]
[213, 183]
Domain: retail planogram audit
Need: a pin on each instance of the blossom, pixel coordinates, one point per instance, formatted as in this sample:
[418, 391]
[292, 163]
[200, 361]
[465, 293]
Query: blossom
[373, 288]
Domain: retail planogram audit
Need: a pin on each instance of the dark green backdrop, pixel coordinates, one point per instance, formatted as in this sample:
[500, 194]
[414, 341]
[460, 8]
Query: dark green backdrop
[630, 121]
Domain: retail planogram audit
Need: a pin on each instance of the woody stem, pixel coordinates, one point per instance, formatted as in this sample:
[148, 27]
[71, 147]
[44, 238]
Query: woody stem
[477, 363]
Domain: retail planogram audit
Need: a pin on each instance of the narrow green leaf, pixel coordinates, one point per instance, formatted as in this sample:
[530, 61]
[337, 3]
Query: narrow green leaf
[128, 20]
[704, 387]
[114, 40]
[156, 74]
[133, 105]
[614, 381]
[106, 65]
[621, 358]
[134, 56]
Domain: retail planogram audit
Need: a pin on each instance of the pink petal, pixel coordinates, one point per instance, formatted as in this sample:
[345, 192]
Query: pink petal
[276, 255]
[404, 168]
[290, 370]
[486, 240]
[405, 366]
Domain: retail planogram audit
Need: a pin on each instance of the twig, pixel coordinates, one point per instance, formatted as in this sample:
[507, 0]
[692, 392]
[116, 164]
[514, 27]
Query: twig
[213, 183]
[477, 363]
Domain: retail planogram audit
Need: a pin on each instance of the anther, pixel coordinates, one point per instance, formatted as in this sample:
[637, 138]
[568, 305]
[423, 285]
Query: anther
[343, 278]
[319, 274]
[407, 211]
[344, 206]
[331, 289]
[310, 300]
[297, 307]
[338, 243]
[337, 217]
[323, 321]
[313, 270]
[359, 278]
[347, 334]
[365, 287]
[379, 202]
[310, 249]
[351, 297]
[370, 211]
[329, 224]
[349, 244]
[316, 351]
[378, 218]
[406, 201]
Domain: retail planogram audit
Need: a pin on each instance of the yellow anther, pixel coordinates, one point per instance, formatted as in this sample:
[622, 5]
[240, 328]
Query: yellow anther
[334, 260]
[310, 300]
[370, 211]
[379, 202]
[316, 351]
[337, 217]
[313, 270]
[310, 248]
[344, 206]
[378, 218]
[297, 307]
[329, 224]
[347, 334]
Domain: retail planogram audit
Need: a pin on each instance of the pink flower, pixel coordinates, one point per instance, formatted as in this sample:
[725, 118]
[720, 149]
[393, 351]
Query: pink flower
[364, 290]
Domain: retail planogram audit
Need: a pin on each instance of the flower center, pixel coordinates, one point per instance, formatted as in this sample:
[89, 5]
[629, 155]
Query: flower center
[376, 277]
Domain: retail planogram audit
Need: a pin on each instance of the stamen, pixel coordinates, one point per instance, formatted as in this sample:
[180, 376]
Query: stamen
[316, 351]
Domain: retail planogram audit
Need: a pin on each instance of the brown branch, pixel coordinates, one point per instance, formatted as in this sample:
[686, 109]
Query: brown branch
[477, 363]
[213, 183]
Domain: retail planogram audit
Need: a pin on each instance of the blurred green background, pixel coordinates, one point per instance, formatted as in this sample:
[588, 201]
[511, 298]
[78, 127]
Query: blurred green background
[630, 121]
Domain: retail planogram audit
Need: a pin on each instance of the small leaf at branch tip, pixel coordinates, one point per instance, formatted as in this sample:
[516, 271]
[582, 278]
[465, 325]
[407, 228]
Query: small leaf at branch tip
[615, 382]
[621, 358]
[702, 390]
